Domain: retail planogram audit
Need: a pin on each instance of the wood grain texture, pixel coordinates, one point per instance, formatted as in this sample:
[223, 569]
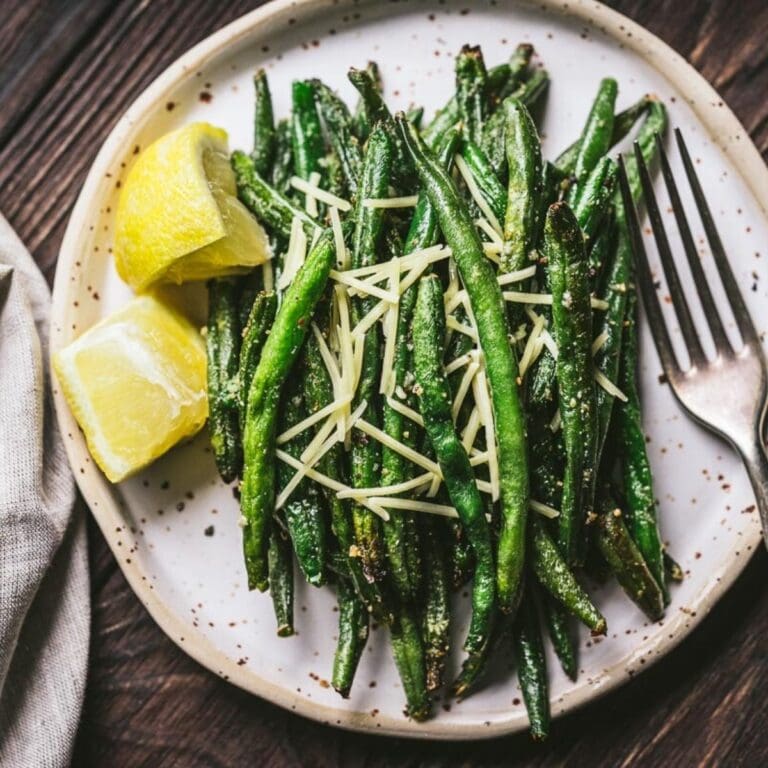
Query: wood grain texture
[68, 69]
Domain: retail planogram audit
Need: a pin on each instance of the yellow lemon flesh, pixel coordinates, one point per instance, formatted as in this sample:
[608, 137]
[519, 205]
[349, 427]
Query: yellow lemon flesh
[136, 383]
[178, 217]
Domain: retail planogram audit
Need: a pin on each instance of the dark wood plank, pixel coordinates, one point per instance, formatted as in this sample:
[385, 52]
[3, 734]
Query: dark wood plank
[720, 39]
[37, 40]
[67, 70]
[42, 166]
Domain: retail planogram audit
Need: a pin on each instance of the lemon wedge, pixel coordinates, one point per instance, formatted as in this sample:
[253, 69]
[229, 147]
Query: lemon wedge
[178, 217]
[136, 383]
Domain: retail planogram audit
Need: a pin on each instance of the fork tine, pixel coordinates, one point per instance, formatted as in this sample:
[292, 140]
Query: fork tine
[645, 280]
[740, 312]
[722, 344]
[676, 293]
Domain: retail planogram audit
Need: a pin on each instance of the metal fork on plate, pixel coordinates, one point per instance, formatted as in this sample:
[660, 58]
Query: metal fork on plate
[727, 393]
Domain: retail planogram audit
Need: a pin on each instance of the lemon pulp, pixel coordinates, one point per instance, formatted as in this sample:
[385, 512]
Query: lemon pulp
[136, 383]
[178, 217]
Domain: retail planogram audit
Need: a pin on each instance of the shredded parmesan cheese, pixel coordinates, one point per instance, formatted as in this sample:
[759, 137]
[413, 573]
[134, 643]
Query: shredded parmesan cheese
[406, 201]
[457, 363]
[477, 195]
[493, 235]
[409, 413]
[268, 275]
[529, 353]
[483, 400]
[310, 201]
[387, 384]
[599, 342]
[469, 435]
[452, 323]
[517, 275]
[478, 459]
[414, 505]
[609, 386]
[328, 482]
[295, 255]
[387, 490]
[312, 419]
[328, 358]
[320, 194]
[492, 251]
[363, 287]
[370, 319]
[305, 465]
[398, 447]
[346, 351]
[318, 442]
[466, 383]
[521, 297]
[543, 509]
[342, 256]
[484, 487]
[549, 343]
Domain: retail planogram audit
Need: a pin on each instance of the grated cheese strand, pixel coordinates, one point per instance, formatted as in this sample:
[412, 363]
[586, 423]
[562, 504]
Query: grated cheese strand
[609, 386]
[543, 509]
[409, 413]
[346, 351]
[371, 319]
[305, 465]
[328, 482]
[464, 385]
[312, 419]
[492, 253]
[405, 201]
[477, 195]
[387, 490]
[331, 364]
[458, 362]
[295, 255]
[342, 255]
[310, 201]
[268, 275]
[517, 275]
[322, 434]
[362, 287]
[452, 323]
[478, 459]
[387, 383]
[483, 401]
[414, 505]
[320, 194]
[531, 345]
[599, 342]
[398, 447]
[549, 343]
[469, 435]
[490, 231]
[524, 297]
[484, 487]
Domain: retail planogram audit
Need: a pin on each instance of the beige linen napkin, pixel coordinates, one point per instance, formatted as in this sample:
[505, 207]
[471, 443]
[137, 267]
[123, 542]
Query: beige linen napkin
[44, 592]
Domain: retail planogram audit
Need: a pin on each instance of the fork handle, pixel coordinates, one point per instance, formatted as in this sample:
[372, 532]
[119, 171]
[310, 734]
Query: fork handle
[756, 462]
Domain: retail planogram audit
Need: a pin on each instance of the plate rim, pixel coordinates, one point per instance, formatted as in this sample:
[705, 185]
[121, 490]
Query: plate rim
[725, 130]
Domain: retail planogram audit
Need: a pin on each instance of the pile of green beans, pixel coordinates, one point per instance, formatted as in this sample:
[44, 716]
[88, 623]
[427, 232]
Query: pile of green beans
[566, 445]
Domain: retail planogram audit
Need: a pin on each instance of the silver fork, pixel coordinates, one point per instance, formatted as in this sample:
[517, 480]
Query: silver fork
[726, 394]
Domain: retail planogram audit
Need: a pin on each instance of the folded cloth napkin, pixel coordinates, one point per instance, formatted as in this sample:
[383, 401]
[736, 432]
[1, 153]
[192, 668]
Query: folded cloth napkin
[44, 592]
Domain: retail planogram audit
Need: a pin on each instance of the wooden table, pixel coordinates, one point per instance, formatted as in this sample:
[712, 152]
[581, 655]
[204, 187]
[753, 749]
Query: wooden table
[68, 69]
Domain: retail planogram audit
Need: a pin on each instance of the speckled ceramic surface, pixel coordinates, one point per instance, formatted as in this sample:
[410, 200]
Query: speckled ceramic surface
[173, 529]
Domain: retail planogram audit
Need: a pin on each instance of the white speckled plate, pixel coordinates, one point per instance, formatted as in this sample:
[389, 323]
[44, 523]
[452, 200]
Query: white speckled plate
[173, 528]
